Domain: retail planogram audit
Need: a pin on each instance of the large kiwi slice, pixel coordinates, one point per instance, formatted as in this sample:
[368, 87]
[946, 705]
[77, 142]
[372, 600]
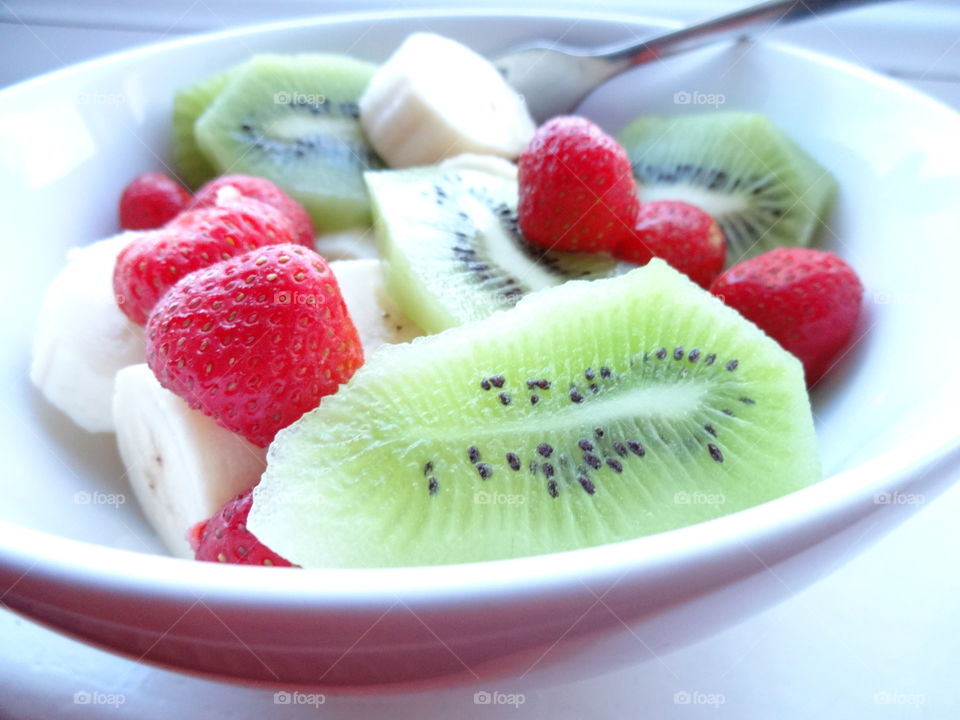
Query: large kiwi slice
[759, 185]
[451, 248]
[293, 119]
[590, 413]
[192, 166]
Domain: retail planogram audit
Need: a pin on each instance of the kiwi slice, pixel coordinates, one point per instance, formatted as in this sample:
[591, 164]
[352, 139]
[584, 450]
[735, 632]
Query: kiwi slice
[191, 165]
[451, 249]
[293, 120]
[590, 413]
[759, 185]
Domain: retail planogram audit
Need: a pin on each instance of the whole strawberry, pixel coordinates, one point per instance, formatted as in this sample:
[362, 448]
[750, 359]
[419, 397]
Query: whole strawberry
[265, 191]
[255, 341]
[150, 266]
[225, 538]
[681, 234]
[150, 201]
[577, 191]
[807, 300]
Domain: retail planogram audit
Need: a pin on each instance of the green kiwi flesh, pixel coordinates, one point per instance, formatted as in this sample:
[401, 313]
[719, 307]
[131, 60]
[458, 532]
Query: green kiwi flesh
[590, 413]
[451, 249]
[294, 120]
[191, 165]
[760, 186]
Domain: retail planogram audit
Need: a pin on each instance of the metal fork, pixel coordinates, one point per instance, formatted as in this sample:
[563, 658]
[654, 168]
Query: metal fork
[554, 78]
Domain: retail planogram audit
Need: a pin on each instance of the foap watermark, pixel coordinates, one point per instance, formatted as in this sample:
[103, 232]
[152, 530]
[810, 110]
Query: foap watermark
[697, 697]
[895, 697]
[286, 297]
[482, 497]
[894, 497]
[107, 99]
[88, 697]
[99, 498]
[695, 97]
[899, 297]
[510, 297]
[284, 697]
[496, 697]
[298, 98]
[698, 498]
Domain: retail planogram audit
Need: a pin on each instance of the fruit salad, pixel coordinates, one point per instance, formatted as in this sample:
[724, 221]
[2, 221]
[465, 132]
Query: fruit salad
[380, 318]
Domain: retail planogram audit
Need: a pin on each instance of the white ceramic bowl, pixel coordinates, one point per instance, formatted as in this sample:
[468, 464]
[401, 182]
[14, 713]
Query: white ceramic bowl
[886, 420]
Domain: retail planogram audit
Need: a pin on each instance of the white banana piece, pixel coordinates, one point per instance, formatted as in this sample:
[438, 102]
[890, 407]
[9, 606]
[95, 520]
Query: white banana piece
[347, 245]
[435, 98]
[81, 337]
[490, 164]
[376, 316]
[181, 465]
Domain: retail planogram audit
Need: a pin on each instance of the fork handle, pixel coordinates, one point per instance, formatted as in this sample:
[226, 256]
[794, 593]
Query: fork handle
[752, 19]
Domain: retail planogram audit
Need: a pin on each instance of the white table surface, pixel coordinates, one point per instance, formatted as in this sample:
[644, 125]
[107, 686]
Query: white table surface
[878, 638]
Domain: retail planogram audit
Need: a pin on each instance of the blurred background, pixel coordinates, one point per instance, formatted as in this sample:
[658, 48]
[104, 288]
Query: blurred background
[913, 39]
[880, 638]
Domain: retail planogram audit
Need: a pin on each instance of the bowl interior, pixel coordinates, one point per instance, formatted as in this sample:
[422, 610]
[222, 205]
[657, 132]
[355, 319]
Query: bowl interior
[70, 141]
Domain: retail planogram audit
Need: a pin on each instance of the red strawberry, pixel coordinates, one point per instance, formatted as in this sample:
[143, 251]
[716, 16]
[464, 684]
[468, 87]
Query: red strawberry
[680, 233]
[150, 201]
[807, 300]
[225, 538]
[255, 341]
[150, 266]
[264, 191]
[577, 191]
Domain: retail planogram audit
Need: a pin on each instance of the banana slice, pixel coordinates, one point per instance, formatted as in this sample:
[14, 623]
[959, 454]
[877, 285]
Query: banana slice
[435, 98]
[490, 164]
[181, 465]
[347, 245]
[376, 316]
[81, 337]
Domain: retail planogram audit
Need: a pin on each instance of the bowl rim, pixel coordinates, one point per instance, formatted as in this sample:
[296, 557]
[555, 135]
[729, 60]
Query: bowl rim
[333, 18]
[126, 571]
